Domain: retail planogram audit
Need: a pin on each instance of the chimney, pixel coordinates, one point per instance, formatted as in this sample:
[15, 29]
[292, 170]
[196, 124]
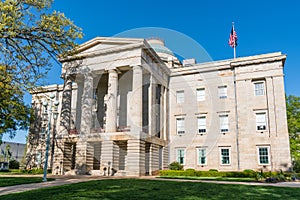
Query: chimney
[189, 62]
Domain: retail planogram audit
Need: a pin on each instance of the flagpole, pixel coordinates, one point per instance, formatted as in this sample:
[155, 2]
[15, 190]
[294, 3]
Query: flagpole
[234, 51]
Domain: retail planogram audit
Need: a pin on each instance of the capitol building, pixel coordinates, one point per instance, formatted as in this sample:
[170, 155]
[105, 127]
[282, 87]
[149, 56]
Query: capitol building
[130, 107]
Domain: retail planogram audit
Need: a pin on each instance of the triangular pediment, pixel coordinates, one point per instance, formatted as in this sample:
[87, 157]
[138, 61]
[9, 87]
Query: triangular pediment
[106, 43]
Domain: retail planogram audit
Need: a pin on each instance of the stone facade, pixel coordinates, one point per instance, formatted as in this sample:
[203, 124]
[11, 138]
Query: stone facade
[129, 107]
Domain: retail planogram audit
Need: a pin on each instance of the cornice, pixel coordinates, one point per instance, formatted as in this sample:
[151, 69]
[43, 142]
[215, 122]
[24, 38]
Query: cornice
[229, 64]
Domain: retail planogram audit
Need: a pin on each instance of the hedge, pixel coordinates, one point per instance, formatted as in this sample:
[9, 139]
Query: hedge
[215, 173]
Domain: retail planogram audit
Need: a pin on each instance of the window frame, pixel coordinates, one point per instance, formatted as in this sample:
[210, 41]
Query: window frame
[178, 101]
[183, 125]
[265, 122]
[199, 125]
[259, 155]
[178, 159]
[229, 155]
[257, 91]
[220, 92]
[198, 156]
[203, 96]
[223, 130]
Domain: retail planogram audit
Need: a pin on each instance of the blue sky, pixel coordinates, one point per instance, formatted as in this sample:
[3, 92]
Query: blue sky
[262, 27]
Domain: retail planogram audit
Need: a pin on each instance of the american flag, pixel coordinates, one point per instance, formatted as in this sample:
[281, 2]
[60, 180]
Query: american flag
[233, 38]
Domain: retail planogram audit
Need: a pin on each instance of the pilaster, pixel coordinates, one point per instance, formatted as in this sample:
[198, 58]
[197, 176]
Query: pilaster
[135, 165]
[107, 151]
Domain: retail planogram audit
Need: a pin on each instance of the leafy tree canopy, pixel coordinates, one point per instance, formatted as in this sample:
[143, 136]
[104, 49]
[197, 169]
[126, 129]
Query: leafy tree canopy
[30, 36]
[293, 118]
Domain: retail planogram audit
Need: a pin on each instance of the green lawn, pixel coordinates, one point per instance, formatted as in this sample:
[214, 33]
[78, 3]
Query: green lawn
[155, 189]
[9, 181]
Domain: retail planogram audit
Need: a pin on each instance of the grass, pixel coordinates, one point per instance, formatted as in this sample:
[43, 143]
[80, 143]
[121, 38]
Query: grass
[154, 189]
[11, 171]
[10, 181]
[23, 171]
[237, 179]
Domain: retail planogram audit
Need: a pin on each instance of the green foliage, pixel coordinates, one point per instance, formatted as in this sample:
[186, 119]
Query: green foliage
[293, 119]
[175, 166]
[268, 176]
[296, 166]
[31, 35]
[34, 171]
[14, 164]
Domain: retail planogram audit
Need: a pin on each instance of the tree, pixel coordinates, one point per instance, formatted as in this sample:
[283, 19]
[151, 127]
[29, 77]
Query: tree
[293, 119]
[31, 37]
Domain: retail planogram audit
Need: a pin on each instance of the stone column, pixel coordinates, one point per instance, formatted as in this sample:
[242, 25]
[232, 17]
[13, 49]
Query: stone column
[86, 122]
[152, 106]
[112, 93]
[162, 113]
[86, 104]
[136, 101]
[165, 111]
[66, 105]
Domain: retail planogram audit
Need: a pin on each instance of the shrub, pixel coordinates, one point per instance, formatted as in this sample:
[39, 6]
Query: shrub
[175, 166]
[14, 164]
[296, 166]
[35, 171]
[171, 173]
[268, 176]
[190, 172]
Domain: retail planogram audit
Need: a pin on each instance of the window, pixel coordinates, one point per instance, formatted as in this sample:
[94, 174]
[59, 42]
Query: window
[201, 124]
[263, 155]
[180, 153]
[261, 123]
[259, 88]
[225, 156]
[201, 94]
[180, 126]
[201, 156]
[180, 96]
[222, 90]
[224, 123]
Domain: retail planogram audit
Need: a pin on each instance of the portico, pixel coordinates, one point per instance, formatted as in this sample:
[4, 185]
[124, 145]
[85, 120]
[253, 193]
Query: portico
[118, 121]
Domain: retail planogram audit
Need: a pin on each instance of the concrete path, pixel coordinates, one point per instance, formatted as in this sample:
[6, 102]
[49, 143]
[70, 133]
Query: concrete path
[63, 180]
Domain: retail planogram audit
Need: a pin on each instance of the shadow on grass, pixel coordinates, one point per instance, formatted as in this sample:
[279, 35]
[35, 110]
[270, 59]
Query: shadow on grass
[10, 181]
[154, 189]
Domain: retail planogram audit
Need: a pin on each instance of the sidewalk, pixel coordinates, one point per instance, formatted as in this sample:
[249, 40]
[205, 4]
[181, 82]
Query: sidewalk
[63, 180]
[59, 180]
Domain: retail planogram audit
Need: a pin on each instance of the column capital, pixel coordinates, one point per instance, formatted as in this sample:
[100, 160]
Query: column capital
[137, 67]
[112, 71]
